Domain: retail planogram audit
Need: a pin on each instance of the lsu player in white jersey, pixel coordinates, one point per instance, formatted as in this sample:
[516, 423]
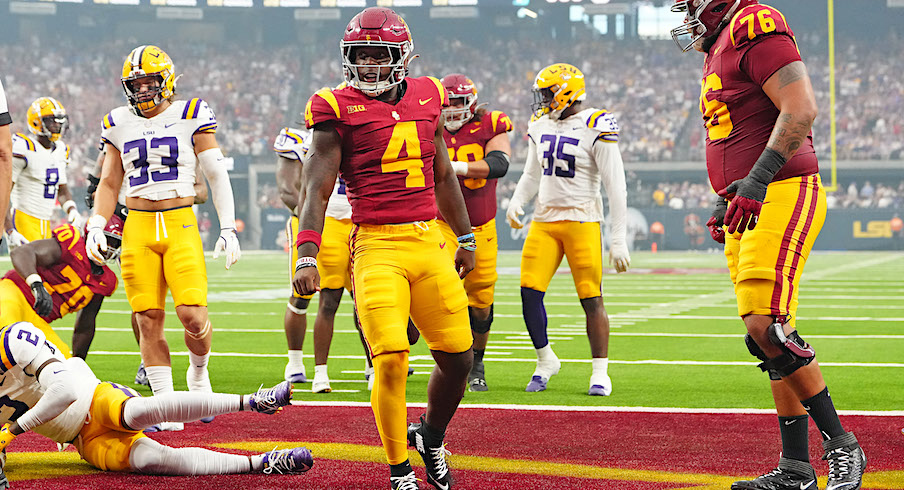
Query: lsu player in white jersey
[63, 400]
[39, 174]
[157, 143]
[571, 149]
[332, 262]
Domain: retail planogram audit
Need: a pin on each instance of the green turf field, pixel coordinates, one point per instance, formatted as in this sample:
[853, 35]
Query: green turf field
[676, 339]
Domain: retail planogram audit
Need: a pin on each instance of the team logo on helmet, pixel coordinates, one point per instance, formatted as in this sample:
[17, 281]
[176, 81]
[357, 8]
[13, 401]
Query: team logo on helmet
[377, 27]
[556, 88]
[146, 62]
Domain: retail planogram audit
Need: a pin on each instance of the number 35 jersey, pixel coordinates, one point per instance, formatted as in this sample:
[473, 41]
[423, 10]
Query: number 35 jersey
[293, 144]
[570, 158]
[37, 173]
[158, 153]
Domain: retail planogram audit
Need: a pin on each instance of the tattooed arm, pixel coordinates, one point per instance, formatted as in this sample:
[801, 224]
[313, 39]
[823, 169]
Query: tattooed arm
[791, 92]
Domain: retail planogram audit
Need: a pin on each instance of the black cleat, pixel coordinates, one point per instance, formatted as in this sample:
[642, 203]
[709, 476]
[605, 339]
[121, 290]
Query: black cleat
[791, 474]
[846, 462]
[476, 378]
[434, 456]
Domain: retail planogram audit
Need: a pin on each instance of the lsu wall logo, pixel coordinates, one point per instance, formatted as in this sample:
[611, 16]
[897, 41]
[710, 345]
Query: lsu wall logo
[874, 229]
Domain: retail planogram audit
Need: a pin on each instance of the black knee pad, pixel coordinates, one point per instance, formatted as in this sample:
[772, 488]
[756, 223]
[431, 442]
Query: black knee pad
[300, 303]
[480, 326]
[759, 354]
[797, 352]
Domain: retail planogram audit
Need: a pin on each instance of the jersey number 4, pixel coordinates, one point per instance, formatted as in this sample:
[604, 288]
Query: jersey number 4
[404, 137]
[141, 163]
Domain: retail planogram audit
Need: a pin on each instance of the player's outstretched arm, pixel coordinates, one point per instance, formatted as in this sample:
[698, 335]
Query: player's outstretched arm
[495, 163]
[790, 90]
[612, 172]
[452, 204]
[318, 179]
[105, 199]
[527, 187]
[211, 159]
[288, 182]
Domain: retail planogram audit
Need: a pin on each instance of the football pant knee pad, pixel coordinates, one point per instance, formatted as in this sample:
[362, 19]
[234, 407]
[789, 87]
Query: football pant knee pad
[759, 354]
[797, 352]
[480, 326]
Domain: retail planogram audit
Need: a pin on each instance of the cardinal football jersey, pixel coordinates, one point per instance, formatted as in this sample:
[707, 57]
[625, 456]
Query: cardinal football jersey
[37, 172]
[70, 281]
[158, 153]
[387, 149]
[468, 144]
[738, 115]
[293, 144]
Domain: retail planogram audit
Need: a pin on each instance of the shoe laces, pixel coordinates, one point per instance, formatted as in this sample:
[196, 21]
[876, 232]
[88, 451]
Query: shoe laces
[265, 400]
[406, 482]
[281, 461]
[438, 455]
[839, 463]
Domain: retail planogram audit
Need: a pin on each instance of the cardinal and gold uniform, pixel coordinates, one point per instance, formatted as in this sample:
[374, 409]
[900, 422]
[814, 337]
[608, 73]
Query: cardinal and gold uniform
[37, 174]
[468, 144]
[159, 161]
[70, 281]
[398, 262]
[765, 263]
[93, 423]
[567, 160]
[334, 257]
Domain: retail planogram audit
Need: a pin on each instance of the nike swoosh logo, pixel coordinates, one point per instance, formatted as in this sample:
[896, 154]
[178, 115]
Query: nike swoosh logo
[807, 408]
[58, 372]
[440, 486]
[186, 226]
[790, 422]
[475, 130]
[168, 125]
[808, 485]
[424, 101]
[442, 245]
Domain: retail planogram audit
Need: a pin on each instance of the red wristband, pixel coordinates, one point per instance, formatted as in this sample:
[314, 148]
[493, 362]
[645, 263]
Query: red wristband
[305, 236]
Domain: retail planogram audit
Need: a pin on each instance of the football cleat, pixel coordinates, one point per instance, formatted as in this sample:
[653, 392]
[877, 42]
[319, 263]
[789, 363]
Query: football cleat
[476, 378]
[141, 377]
[288, 461]
[537, 383]
[790, 474]
[321, 385]
[434, 457]
[295, 374]
[407, 482]
[846, 462]
[270, 400]
[600, 385]
[166, 427]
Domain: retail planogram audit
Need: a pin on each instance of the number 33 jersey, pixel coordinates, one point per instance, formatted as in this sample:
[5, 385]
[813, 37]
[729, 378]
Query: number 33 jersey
[158, 153]
[571, 157]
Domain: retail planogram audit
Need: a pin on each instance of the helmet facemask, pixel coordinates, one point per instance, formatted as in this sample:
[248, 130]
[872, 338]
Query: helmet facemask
[703, 18]
[460, 110]
[47, 117]
[399, 55]
[147, 100]
[114, 246]
[543, 100]
[55, 125]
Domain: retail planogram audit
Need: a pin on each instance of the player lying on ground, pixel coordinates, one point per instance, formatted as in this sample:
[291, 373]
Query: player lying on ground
[64, 400]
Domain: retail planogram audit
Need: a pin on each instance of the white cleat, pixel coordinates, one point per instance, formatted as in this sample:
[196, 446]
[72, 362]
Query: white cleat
[321, 385]
[295, 374]
[600, 385]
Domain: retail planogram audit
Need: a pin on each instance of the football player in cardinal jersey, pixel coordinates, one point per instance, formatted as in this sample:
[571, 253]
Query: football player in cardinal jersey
[479, 149]
[158, 143]
[758, 107]
[39, 174]
[63, 400]
[383, 134]
[571, 149]
[53, 277]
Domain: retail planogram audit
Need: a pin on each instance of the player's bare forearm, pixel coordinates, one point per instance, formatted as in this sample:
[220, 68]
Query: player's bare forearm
[8, 221]
[322, 169]
[791, 92]
[288, 181]
[63, 193]
[28, 257]
[110, 182]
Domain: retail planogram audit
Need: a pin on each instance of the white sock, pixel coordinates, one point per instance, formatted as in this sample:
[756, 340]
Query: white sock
[296, 359]
[320, 371]
[160, 378]
[257, 462]
[150, 457]
[143, 412]
[600, 365]
[545, 353]
[198, 363]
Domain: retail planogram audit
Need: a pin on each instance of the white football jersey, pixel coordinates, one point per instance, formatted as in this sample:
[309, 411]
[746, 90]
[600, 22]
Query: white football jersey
[37, 173]
[22, 354]
[4, 108]
[158, 154]
[293, 144]
[570, 158]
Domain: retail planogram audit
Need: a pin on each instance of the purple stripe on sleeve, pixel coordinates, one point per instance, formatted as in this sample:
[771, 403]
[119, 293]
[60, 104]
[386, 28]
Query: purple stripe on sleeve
[185, 111]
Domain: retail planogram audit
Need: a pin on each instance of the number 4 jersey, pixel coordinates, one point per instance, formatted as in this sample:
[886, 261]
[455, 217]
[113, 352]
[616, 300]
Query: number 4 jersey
[158, 153]
[569, 159]
[71, 282]
[738, 115]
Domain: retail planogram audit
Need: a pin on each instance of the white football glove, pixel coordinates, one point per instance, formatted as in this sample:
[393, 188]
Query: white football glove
[76, 219]
[95, 240]
[514, 213]
[460, 168]
[619, 257]
[15, 239]
[228, 243]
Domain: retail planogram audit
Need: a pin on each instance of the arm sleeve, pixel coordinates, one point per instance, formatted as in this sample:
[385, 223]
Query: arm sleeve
[59, 384]
[212, 164]
[529, 183]
[612, 172]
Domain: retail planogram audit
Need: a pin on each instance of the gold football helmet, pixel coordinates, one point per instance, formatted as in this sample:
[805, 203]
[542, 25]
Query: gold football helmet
[47, 117]
[148, 61]
[556, 88]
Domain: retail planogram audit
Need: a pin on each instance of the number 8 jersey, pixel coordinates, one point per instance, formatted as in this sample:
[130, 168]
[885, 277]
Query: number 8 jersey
[158, 154]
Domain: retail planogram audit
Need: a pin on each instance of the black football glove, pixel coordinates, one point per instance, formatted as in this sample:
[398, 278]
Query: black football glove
[92, 188]
[717, 221]
[43, 301]
[747, 194]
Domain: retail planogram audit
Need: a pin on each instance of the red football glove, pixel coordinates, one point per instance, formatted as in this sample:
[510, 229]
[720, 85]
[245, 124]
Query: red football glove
[746, 197]
[717, 221]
